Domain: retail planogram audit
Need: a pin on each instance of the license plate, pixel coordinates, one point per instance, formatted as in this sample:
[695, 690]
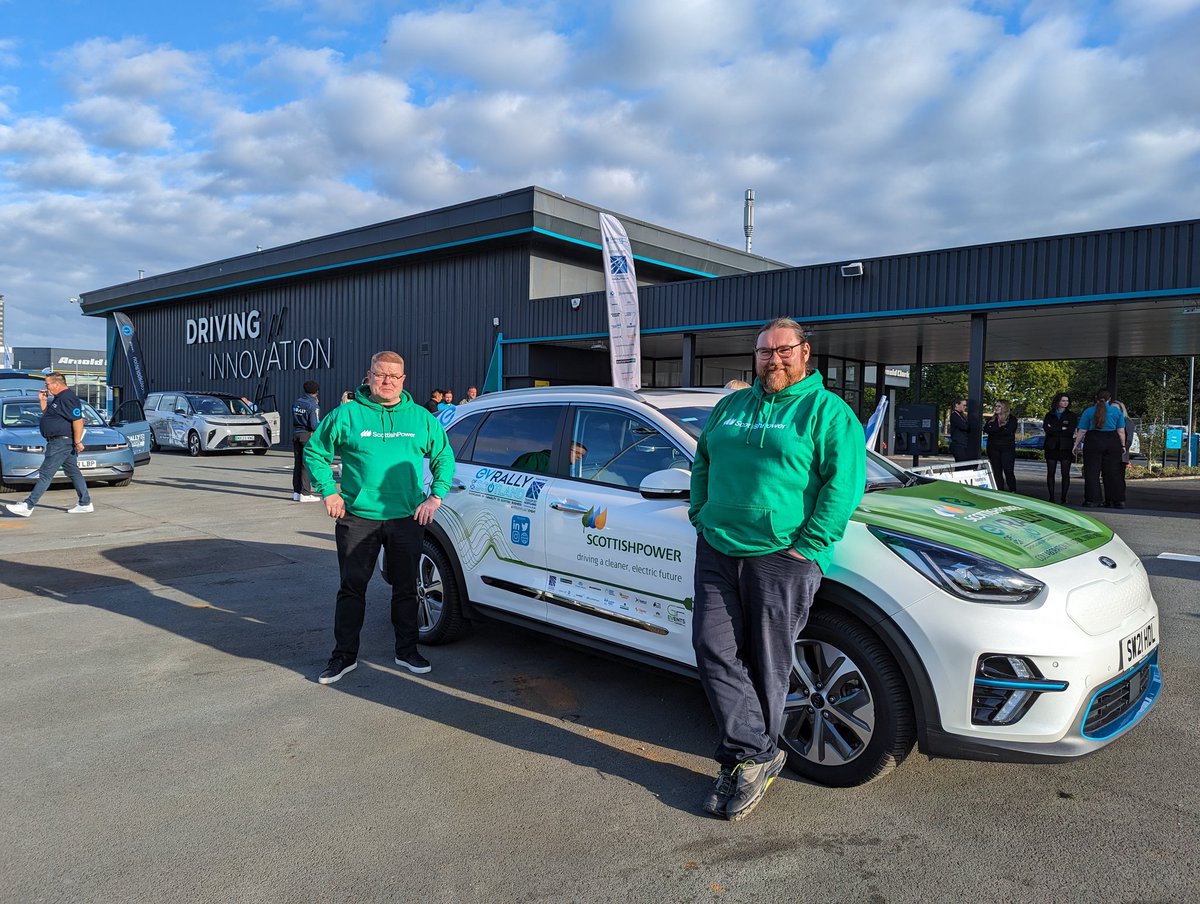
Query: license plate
[243, 439]
[87, 463]
[1138, 644]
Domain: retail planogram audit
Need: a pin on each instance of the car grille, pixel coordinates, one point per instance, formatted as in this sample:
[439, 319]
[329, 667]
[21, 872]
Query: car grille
[1099, 607]
[1119, 705]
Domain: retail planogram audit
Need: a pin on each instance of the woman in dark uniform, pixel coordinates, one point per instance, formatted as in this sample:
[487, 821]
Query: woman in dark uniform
[1001, 430]
[1060, 423]
[1102, 434]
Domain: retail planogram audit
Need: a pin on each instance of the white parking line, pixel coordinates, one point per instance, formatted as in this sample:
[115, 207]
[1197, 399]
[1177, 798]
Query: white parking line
[1178, 556]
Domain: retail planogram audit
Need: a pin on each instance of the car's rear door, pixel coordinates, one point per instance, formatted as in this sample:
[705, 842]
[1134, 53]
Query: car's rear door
[495, 510]
[620, 565]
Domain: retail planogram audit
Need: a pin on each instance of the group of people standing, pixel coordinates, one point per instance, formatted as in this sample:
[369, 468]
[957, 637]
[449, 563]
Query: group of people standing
[1105, 455]
[443, 399]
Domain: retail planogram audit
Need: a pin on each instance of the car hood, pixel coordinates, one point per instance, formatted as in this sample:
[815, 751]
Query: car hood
[1016, 530]
[32, 436]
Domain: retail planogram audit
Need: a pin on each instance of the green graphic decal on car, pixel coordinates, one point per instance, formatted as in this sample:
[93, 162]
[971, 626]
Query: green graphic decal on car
[1018, 531]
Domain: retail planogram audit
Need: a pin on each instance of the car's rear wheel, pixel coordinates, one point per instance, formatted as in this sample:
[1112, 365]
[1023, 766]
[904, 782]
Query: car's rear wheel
[848, 718]
[439, 597]
[193, 444]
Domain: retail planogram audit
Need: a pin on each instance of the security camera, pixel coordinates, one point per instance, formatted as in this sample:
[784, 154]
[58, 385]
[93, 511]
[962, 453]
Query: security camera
[576, 303]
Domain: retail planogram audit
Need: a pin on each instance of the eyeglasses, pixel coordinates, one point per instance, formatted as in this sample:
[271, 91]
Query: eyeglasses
[784, 351]
[387, 378]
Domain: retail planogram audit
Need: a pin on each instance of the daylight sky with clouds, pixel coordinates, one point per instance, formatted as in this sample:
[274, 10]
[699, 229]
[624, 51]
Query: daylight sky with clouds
[155, 136]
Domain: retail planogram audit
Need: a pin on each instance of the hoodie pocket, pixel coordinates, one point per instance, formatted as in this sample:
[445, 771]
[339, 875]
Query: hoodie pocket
[740, 529]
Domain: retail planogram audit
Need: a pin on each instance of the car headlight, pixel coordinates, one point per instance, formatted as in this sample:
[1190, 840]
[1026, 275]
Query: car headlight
[26, 448]
[964, 574]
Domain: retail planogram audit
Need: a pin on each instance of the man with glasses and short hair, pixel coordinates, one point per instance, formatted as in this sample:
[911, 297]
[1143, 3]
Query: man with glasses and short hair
[779, 469]
[383, 438]
[62, 427]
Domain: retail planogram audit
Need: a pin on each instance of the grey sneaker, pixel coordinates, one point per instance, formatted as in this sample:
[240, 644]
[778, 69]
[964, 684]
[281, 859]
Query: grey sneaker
[20, 508]
[414, 662]
[339, 665]
[751, 781]
[718, 797]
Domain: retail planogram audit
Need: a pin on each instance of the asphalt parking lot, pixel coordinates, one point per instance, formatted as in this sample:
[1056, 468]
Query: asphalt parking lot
[164, 740]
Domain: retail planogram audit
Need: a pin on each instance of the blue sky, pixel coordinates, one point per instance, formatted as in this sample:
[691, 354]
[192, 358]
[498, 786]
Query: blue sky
[137, 135]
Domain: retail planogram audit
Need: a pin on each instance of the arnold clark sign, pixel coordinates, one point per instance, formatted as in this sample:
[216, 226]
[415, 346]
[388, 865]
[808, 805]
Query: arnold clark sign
[258, 359]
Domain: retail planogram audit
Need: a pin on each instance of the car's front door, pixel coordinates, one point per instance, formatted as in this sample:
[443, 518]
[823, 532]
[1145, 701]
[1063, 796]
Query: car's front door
[620, 565]
[130, 421]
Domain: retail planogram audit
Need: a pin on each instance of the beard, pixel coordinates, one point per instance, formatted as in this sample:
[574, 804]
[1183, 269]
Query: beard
[777, 377]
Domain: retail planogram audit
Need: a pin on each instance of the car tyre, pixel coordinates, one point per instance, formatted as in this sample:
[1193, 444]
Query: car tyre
[848, 719]
[193, 444]
[259, 451]
[154, 446]
[440, 610]
[121, 483]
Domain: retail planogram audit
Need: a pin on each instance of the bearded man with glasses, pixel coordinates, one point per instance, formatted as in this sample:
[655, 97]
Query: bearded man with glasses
[383, 438]
[779, 469]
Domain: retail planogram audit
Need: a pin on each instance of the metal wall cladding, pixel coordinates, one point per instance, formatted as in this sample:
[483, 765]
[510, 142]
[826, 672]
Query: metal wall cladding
[437, 314]
[1122, 261]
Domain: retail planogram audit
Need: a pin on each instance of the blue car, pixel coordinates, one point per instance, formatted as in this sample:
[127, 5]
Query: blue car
[106, 456]
[1036, 441]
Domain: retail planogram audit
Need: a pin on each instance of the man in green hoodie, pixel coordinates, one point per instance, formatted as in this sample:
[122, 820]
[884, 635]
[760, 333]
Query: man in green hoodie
[779, 469]
[383, 438]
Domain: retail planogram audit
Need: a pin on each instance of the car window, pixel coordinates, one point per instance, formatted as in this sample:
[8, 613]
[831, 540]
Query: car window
[129, 412]
[615, 447]
[170, 403]
[460, 433]
[521, 438]
[152, 401]
[21, 414]
[690, 418]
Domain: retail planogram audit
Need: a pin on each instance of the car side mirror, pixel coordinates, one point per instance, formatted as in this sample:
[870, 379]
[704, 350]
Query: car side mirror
[182, 411]
[669, 483]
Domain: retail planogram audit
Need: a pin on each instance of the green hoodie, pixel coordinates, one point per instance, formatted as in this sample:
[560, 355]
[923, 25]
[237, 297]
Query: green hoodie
[779, 470]
[383, 452]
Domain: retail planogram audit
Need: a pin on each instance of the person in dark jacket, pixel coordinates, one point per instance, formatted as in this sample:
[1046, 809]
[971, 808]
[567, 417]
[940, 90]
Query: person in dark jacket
[1001, 430]
[1060, 424]
[960, 431]
[62, 428]
[306, 414]
[1101, 432]
[435, 399]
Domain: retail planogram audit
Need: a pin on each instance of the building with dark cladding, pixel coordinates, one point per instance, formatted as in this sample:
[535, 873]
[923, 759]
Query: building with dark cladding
[438, 287]
[519, 275]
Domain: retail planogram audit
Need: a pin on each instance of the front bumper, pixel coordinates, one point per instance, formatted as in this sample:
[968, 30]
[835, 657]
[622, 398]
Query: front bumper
[24, 474]
[221, 439]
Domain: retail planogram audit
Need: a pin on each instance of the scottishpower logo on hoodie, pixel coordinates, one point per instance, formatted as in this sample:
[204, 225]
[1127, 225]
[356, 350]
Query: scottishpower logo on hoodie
[742, 425]
[377, 435]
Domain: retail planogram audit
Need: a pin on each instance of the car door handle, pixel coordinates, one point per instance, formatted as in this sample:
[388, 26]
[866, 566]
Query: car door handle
[569, 505]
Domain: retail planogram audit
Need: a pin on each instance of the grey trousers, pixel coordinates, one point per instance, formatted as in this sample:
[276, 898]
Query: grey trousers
[747, 615]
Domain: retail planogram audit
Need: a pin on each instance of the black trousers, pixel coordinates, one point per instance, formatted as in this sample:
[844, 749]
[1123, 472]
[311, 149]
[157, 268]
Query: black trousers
[1053, 465]
[358, 543]
[1004, 465]
[748, 614]
[1102, 452]
[300, 479]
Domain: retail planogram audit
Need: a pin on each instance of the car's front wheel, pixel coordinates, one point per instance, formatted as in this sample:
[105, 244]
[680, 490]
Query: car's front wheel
[848, 718]
[193, 444]
[123, 482]
[439, 612]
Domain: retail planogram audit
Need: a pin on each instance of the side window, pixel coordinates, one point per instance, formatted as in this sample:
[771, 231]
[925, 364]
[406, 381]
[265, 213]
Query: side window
[172, 402]
[152, 401]
[521, 438]
[460, 433]
[617, 448]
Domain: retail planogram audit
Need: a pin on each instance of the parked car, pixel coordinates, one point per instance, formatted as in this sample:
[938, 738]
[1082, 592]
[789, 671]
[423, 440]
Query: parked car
[205, 422]
[106, 455]
[1036, 441]
[20, 382]
[969, 622]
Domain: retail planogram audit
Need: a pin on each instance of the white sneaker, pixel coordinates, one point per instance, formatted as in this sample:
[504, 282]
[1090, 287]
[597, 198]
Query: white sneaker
[80, 509]
[310, 499]
[20, 508]
[295, 497]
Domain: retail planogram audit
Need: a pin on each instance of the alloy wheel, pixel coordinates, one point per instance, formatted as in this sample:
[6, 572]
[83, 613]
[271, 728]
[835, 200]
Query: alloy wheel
[430, 599]
[829, 714]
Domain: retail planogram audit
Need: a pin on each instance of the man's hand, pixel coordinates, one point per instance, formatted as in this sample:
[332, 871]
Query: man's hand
[335, 505]
[425, 511]
[795, 555]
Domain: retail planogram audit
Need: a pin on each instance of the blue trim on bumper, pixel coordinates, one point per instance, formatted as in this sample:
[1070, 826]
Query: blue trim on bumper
[1137, 711]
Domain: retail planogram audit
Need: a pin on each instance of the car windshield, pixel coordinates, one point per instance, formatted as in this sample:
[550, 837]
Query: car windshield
[202, 404]
[691, 418]
[28, 413]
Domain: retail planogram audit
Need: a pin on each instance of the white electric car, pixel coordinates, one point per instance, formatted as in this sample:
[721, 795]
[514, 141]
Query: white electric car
[969, 622]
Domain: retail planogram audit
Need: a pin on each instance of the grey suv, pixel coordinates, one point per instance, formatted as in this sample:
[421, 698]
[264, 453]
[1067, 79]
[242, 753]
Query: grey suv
[205, 422]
